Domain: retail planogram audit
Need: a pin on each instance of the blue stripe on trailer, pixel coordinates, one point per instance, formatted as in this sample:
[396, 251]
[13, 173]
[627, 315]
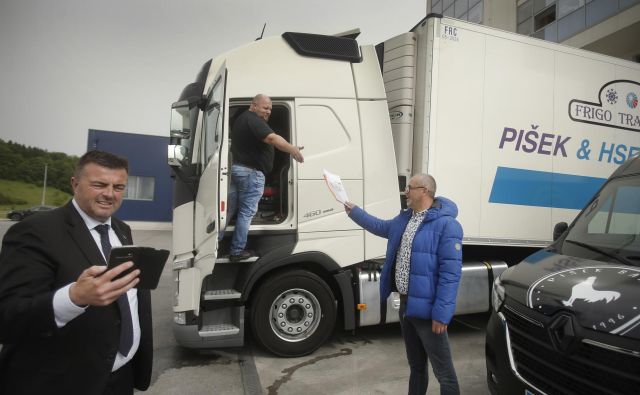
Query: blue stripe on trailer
[543, 189]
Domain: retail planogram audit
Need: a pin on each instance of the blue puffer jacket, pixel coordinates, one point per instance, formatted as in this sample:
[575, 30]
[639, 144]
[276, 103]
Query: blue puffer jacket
[436, 258]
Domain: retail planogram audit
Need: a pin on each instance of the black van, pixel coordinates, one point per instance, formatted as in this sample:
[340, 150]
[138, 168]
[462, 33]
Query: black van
[566, 320]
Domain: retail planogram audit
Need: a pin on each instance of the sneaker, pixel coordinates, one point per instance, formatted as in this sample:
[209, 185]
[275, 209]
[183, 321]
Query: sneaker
[241, 256]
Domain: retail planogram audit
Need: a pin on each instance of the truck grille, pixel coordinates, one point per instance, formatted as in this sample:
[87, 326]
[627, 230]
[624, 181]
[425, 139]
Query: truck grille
[588, 370]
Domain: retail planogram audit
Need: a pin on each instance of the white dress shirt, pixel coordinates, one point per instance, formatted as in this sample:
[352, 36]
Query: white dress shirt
[65, 310]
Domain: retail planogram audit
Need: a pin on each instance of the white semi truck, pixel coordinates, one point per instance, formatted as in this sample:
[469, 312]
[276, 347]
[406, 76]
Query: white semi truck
[518, 132]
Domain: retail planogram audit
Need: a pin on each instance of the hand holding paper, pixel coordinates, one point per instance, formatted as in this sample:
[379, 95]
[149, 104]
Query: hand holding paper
[335, 186]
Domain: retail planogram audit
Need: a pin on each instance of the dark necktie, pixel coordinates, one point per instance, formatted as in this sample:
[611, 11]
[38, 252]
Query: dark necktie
[126, 326]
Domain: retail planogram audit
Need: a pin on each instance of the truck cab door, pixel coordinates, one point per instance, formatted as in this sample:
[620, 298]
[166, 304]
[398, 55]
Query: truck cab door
[213, 179]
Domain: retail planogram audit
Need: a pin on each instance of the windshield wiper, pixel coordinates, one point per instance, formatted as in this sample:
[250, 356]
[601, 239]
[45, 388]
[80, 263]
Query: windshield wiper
[600, 251]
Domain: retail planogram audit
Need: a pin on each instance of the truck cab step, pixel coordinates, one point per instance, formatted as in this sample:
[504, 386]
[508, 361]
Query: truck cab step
[218, 330]
[222, 294]
[225, 259]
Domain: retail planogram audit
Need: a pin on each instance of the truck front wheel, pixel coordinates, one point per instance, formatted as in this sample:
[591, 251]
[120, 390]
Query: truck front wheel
[293, 313]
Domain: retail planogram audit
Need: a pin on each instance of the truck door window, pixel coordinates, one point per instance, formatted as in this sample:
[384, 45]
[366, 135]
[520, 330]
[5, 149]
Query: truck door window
[213, 122]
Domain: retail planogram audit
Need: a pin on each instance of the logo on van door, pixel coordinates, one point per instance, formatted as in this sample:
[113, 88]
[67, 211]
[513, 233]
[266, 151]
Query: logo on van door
[603, 298]
[608, 110]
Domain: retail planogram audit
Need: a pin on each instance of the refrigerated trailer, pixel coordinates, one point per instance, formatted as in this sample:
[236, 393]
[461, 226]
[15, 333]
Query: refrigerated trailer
[517, 131]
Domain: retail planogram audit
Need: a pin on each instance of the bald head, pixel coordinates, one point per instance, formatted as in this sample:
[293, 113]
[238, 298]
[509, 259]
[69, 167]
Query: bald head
[261, 105]
[428, 182]
[260, 97]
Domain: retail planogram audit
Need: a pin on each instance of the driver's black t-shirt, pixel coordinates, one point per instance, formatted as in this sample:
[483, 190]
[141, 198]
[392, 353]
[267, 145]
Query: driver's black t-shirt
[246, 142]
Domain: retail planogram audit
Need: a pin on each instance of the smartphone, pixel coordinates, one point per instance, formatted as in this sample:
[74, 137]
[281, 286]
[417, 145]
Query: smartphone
[148, 260]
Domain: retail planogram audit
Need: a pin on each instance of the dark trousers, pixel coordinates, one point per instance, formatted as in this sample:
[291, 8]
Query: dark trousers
[120, 382]
[421, 344]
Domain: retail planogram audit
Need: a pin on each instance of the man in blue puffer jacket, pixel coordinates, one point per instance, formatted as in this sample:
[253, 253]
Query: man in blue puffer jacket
[423, 263]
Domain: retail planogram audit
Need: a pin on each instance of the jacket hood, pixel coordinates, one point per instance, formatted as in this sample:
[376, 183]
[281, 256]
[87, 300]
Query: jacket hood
[441, 207]
[602, 296]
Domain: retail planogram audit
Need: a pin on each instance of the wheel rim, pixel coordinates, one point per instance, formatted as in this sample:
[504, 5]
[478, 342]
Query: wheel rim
[295, 315]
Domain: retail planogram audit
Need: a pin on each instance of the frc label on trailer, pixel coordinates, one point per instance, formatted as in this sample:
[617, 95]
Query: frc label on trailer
[617, 106]
[450, 33]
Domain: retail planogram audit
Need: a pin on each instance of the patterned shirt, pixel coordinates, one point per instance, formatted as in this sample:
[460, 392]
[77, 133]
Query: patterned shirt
[403, 258]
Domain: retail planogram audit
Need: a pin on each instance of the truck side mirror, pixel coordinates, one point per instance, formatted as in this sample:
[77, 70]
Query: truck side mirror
[184, 117]
[559, 229]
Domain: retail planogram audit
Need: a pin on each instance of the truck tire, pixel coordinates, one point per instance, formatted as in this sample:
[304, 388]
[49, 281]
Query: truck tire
[293, 313]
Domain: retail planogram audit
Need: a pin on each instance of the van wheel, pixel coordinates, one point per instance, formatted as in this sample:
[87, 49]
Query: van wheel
[16, 217]
[293, 313]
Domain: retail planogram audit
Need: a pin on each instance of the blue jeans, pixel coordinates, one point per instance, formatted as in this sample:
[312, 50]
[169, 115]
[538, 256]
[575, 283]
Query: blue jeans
[245, 191]
[421, 344]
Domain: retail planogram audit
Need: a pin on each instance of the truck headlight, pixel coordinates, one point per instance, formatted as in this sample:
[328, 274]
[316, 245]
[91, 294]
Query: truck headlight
[497, 295]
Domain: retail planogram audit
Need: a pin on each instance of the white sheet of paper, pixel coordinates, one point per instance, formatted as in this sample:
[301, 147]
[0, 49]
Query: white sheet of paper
[335, 186]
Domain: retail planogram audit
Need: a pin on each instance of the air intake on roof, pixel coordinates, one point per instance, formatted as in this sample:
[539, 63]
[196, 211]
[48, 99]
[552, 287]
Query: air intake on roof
[328, 47]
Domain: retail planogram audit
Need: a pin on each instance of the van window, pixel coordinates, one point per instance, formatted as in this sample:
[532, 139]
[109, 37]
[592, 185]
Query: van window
[611, 224]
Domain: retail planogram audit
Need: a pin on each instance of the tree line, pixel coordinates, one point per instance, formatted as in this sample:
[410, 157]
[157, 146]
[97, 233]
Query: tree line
[21, 163]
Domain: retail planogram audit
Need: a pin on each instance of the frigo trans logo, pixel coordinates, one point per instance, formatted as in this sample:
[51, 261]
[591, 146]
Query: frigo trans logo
[616, 106]
[603, 298]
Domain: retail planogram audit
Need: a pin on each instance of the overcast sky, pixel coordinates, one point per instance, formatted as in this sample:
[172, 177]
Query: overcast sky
[67, 66]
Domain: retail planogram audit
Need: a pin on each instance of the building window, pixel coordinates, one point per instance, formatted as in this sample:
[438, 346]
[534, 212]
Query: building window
[140, 188]
[524, 11]
[461, 8]
[557, 20]
[566, 7]
[549, 33]
[475, 14]
[437, 7]
[540, 5]
[470, 10]
[544, 18]
[525, 27]
[571, 24]
[599, 10]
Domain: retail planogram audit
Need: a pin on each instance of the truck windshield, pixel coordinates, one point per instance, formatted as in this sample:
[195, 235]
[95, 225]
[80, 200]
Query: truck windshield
[609, 228]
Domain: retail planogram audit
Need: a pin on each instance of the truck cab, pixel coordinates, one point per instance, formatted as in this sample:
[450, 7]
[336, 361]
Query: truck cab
[567, 318]
[327, 96]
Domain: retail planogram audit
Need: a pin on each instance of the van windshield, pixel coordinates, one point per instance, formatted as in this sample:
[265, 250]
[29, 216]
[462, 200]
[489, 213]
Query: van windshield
[610, 226]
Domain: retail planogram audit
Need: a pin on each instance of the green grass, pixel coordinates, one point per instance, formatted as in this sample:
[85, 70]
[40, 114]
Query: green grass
[31, 194]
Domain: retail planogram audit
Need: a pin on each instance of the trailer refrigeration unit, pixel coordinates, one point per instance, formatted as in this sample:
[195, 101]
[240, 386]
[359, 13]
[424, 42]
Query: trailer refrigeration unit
[518, 132]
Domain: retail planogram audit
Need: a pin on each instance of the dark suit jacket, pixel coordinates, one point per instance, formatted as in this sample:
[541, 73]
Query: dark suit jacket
[40, 255]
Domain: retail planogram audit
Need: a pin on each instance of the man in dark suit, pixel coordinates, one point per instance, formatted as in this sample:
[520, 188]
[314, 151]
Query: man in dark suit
[67, 328]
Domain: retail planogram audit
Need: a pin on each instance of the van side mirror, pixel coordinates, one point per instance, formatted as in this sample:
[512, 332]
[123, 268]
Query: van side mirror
[559, 229]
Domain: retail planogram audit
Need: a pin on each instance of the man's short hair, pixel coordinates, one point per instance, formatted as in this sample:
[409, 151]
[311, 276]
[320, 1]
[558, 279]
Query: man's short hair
[429, 182]
[431, 186]
[101, 158]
